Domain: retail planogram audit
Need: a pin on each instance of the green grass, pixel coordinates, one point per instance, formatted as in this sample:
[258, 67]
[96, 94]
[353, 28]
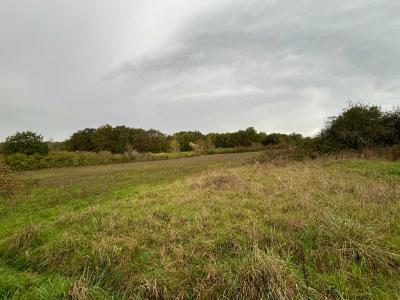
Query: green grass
[375, 168]
[60, 159]
[205, 227]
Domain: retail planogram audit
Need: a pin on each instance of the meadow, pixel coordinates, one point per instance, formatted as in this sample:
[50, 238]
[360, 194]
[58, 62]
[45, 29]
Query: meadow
[226, 226]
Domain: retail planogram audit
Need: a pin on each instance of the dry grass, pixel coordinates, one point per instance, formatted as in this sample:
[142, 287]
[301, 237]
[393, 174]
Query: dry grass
[78, 291]
[267, 276]
[350, 239]
[320, 229]
[24, 239]
[218, 179]
[9, 182]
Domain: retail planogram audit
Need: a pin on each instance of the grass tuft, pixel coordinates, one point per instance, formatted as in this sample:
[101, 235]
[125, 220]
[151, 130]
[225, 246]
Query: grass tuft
[10, 183]
[361, 242]
[28, 237]
[267, 276]
[218, 179]
[79, 291]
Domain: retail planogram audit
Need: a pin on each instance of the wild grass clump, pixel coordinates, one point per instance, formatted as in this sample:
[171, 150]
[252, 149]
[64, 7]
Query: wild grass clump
[18, 247]
[81, 290]
[9, 181]
[28, 237]
[288, 153]
[257, 274]
[218, 179]
[78, 291]
[362, 243]
[285, 154]
[55, 256]
[267, 276]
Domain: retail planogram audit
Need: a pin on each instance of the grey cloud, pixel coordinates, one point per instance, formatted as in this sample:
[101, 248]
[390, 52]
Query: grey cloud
[276, 65]
[309, 54]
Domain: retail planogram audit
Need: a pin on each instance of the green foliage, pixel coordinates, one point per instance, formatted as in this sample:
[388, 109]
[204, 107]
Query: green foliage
[57, 146]
[155, 141]
[184, 139]
[241, 138]
[233, 150]
[102, 138]
[283, 139]
[82, 140]
[174, 145]
[59, 159]
[357, 127]
[27, 142]
[360, 126]
[118, 139]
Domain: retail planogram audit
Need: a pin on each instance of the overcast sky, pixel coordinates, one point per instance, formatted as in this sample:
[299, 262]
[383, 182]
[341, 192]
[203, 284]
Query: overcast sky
[217, 65]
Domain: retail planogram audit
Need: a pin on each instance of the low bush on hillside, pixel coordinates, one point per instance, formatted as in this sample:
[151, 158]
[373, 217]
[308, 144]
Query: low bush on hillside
[287, 154]
[58, 159]
[233, 150]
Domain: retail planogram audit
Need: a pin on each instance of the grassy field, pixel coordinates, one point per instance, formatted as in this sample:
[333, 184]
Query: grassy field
[208, 227]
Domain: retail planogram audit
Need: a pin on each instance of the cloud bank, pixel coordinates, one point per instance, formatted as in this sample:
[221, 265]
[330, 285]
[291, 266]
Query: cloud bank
[218, 66]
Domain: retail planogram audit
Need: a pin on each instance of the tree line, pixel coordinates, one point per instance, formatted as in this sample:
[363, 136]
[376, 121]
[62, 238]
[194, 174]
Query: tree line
[121, 139]
[358, 126]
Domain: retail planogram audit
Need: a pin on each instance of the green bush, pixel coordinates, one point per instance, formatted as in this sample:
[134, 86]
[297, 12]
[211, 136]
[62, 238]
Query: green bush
[233, 150]
[59, 159]
[360, 126]
[27, 142]
[283, 139]
[118, 140]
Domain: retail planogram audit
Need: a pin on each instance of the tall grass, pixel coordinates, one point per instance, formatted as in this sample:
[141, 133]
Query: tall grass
[209, 227]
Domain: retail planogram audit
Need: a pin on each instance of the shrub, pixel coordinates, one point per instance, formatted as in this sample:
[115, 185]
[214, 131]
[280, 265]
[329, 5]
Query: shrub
[81, 140]
[292, 139]
[58, 159]
[184, 138]
[27, 142]
[360, 126]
